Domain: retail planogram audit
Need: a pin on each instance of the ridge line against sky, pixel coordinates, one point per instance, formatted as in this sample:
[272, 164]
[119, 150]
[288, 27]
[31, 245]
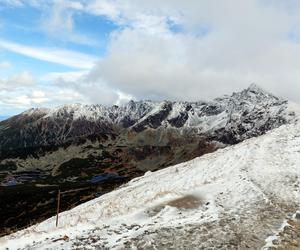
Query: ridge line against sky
[57, 52]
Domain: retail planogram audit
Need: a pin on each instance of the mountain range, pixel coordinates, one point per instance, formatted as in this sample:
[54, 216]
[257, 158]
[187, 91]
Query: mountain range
[88, 150]
[244, 196]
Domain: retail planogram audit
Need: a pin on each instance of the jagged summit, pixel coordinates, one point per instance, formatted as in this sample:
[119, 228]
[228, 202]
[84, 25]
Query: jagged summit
[255, 94]
[256, 88]
[76, 111]
[258, 92]
[36, 111]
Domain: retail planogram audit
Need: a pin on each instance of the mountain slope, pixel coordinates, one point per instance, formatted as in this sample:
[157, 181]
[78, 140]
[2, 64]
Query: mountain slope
[234, 198]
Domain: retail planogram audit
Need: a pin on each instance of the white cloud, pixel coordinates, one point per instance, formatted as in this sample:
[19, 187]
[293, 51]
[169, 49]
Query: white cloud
[17, 81]
[58, 22]
[64, 76]
[19, 101]
[174, 49]
[105, 8]
[244, 42]
[38, 96]
[16, 3]
[84, 90]
[21, 3]
[5, 65]
[92, 91]
[57, 18]
[54, 55]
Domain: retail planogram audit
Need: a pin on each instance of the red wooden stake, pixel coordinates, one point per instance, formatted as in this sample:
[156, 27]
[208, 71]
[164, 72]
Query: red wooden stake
[58, 204]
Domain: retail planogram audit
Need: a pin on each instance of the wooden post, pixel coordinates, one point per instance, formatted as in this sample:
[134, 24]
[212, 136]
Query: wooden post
[58, 204]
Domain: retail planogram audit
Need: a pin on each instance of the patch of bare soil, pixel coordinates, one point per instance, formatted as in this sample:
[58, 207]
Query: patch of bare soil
[182, 203]
[186, 202]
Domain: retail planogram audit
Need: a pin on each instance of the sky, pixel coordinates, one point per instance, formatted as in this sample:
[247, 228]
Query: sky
[56, 52]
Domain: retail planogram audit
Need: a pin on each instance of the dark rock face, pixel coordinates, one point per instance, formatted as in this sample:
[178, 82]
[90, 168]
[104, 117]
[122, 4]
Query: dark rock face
[179, 121]
[212, 109]
[49, 132]
[72, 145]
[127, 122]
[154, 120]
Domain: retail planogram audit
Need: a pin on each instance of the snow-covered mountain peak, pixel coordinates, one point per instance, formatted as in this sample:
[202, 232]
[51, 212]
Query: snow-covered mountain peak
[256, 88]
[256, 93]
[76, 111]
[35, 111]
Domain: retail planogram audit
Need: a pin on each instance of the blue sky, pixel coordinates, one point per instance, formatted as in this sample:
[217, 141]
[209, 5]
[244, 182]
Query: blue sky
[56, 52]
[23, 25]
[31, 42]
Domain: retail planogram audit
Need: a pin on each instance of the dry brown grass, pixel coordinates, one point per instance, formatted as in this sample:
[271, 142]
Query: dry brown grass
[295, 245]
[288, 248]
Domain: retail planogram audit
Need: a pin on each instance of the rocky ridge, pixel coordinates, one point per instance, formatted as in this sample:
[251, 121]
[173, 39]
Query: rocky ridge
[229, 119]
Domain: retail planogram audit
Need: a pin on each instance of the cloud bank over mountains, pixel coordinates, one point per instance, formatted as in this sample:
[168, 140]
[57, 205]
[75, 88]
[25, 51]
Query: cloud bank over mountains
[172, 49]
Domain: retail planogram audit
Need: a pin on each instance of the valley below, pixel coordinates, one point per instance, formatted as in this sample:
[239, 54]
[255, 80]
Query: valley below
[87, 171]
[26, 204]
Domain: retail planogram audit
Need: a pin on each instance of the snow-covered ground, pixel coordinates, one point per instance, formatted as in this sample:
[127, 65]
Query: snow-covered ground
[235, 198]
